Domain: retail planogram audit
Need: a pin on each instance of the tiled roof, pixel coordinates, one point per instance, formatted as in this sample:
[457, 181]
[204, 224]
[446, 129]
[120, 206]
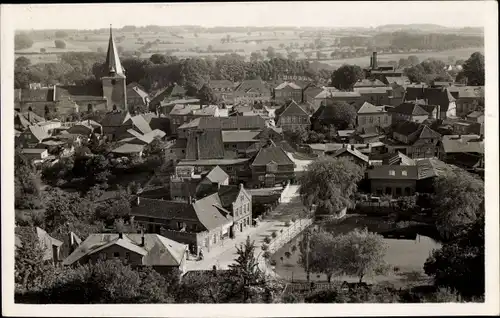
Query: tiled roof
[217, 175]
[128, 149]
[136, 90]
[400, 172]
[355, 152]
[256, 85]
[396, 159]
[369, 83]
[82, 93]
[157, 250]
[345, 94]
[205, 145]
[293, 109]
[427, 133]
[439, 96]
[400, 80]
[463, 143]
[212, 162]
[34, 95]
[406, 127]
[149, 116]
[271, 154]
[141, 124]
[345, 133]
[221, 84]
[467, 91]
[431, 167]
[287, 84]
[372, 90]
[239, 135]
[39, 133]
[113, 64]
[228, 194]
[171, 90]
[206, 111]
[409, 108]
[415, 92]
[368, 108]
[232, 123]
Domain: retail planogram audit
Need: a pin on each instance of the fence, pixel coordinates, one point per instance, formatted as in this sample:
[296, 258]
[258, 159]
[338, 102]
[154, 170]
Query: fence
[281, 239]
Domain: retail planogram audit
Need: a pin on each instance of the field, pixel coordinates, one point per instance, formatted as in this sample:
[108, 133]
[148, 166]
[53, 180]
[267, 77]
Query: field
[188, 44]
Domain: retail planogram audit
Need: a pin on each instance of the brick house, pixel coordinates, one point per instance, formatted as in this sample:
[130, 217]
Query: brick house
[292, 116]
[162, 253]
[414, 140]
[372, 116]
[287, 91]
[238, 201]
[272, 165]
[202, 224]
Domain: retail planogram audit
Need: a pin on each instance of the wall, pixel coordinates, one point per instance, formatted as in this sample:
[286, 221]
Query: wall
[382, 184]
[373, 120]
[134, 258]
[115, 94]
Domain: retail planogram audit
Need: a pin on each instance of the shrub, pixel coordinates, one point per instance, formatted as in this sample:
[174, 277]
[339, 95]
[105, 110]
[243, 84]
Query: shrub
[293, 219]
[267, 239]
[274, 234]
[265, 247]
[60, 44]
[267, 255]
[287, 223]
[273, 262]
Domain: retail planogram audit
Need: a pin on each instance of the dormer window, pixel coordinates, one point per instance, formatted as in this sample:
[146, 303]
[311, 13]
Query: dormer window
[392, 172]
[113, 82]
[404, 173]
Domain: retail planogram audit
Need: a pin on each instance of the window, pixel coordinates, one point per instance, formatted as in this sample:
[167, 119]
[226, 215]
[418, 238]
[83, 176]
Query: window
[103, 256]
[114, 107]
[116, 254]
[392, 172]
[113, 82]
[398, 191]
[127, 256]
[404, 173]
[371, 120]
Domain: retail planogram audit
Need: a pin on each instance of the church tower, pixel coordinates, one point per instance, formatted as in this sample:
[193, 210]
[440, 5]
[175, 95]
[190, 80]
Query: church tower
[114, 84]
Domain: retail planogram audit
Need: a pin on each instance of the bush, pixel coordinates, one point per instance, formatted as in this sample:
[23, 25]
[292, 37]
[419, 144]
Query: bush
[265, 247]
[60, 44]
[267, 239]
[273, 262]
[267, 255]
[287, 223]
[293, 219]
[274, 234]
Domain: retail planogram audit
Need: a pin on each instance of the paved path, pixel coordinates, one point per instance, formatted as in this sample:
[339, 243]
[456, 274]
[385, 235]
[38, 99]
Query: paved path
[223, 255]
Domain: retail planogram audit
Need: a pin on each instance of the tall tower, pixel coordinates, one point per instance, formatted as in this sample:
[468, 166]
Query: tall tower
[114, 84]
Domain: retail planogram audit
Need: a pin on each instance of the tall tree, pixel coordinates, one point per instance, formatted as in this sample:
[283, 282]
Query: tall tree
[207, 96]
[360, 253]
[342, 114]
[473, 69]
[330, 183]
[22, 41]
[346, 76]
[321, 248]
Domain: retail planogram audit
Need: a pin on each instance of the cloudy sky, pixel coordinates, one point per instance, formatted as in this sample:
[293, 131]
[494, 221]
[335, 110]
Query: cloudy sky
[327, 14]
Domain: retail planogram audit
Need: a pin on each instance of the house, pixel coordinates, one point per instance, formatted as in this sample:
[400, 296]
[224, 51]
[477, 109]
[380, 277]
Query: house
[249, 91]
[292, 116]
[375, 95]
[402, 81]
[467, 98]
[239, 140]
[159, 252]
[222, 123]
[410, 111]
[238, 201]
[353, 98]
[32, 137]
[369, 83]
[85, 128]
[137, 98]
[393, 180]
[465, 151]
[287, 91]
[310, 92]
[414, 140]
[272, 165]
[185, 113]
[381, 72]
[51, 247]
[176, 150]
[352, 153]
[223, 89]
[202, 224]
[476, 117]
[367, 135]
[115, 124]
[369, 115]
[443, 98]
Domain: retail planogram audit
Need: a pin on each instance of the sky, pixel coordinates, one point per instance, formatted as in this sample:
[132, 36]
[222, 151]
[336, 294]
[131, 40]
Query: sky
[315, 14]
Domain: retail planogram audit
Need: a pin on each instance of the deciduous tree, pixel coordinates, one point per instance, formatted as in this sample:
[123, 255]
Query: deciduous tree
[346, 76]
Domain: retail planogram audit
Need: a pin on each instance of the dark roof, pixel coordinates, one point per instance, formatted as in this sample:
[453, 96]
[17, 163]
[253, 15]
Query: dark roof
[409, 108]
[114, 119]
[369, 83]
[171, 90]
[400, 172]
[272, 154]
[414, 93]
[232, 123]
[84, 92]
[426, 133]
[161, 123]
[406, 127]
[257, 85]
[221, 84]
[205, 145]
[439, 96]
[228, 194]
[355, 152]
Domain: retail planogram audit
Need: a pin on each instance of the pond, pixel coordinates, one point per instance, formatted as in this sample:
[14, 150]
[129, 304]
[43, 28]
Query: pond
[408, 255]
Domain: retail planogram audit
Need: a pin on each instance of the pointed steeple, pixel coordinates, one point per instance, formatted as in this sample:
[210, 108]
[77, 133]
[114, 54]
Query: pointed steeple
[113, 64]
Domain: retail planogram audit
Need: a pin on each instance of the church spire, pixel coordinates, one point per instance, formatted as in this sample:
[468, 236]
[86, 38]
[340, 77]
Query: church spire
[113, 65]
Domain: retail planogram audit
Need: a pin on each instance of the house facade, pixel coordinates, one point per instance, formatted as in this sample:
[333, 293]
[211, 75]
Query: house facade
[292, 116]
[271, 166]
[372, 116]
[287, 91]
[237, 200]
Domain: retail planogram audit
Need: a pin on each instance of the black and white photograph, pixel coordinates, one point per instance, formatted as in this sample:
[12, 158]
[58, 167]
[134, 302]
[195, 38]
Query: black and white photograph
[284, 154]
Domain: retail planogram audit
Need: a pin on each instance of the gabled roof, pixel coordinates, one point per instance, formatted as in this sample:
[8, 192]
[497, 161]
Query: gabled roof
[397, 159]
[255, 85]
[427, 133]
[46, 241]
[39, 133]
[287, 84]
[400, 80]
[292, 109]
[128, 149]
[431, 167]
[271, 154]
[113, 64]
[207, 211]
[463, 144]
[372, 90]
[369, 83]
[355, 152]
[28, 118]
[341, 94]
[217, 175]
[157, 250]
[232, 123]
[406, 128]
[368, 108]
[439, 96]
[240, 136]
[409, 108]
[221, 84]
[140, 123]
[134, 88]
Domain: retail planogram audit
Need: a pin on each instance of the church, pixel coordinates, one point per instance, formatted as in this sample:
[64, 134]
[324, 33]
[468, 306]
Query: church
[112, 94]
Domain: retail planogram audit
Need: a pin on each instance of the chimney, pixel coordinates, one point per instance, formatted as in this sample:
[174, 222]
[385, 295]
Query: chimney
[142, 237]
[138, 201]
[371, 62]
[374, 60]
[352, 147]
[120, 235]
[241, 185]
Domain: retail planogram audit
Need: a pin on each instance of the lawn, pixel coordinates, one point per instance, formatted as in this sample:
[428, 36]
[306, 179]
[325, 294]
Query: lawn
[406, 258]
